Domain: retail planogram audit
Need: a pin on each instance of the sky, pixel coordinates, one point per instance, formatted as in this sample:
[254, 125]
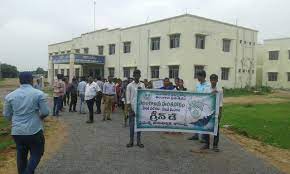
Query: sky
[28, 26]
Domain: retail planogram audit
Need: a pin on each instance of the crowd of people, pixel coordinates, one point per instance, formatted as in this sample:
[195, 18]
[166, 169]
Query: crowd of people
[27, 107]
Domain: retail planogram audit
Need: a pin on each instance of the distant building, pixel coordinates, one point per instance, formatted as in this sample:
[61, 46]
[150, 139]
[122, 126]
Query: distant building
[173, 47]
[273, 64]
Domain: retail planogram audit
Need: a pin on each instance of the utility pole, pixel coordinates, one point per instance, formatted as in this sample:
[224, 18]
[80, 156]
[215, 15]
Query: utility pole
[0, 71]
[94, 15]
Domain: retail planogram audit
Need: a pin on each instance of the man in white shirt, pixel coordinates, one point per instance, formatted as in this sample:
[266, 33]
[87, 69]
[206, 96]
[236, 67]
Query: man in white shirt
[109, 91]
[99, 96]
[90, 93]
[219, 94]
[131, 99]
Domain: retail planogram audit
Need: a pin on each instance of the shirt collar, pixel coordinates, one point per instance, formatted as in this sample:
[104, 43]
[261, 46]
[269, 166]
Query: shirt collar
[25, 85]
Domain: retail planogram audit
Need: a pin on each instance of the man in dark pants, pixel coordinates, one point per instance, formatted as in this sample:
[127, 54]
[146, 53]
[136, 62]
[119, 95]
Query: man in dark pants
[90, 93]
[99, 96]
[73, 91]
[131, 94]
[58, 92]
[219, 93]
[26, 107]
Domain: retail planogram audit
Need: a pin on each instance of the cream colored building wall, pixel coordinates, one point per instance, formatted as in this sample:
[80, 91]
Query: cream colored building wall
[186, 56]
[282, 65]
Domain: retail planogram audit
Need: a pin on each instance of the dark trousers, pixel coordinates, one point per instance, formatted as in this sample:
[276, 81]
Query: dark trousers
[56, 105]
[73, 102]
[99, 102]
[29, 143]
[66, 99]
[132, 124]
[90, 104]
[216, 137]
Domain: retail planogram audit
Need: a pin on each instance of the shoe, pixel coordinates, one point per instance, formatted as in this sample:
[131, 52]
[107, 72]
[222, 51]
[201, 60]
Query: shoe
[204, 147]
[140, 145]
[129, 145]
[74, 111]
[215, 149]
[89, 121]
[109, 119]
[193, 138]
[70, 111]
[98, 112]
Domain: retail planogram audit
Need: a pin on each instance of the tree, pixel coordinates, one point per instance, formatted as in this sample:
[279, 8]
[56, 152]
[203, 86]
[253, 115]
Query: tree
[9, 71]
[40, 71]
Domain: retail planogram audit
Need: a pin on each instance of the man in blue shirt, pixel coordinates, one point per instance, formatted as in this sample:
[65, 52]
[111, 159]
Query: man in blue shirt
[26, 107]
[166, 84]
[202, 87]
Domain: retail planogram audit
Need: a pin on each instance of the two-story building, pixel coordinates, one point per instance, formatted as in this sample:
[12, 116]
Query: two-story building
[173, 47]
[274, 63]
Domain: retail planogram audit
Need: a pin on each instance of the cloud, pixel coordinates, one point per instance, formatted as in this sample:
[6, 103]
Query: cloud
[27, 27]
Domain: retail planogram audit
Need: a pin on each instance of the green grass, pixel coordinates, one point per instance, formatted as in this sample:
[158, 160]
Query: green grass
[236, 92]
[269, 123]
[48, 91]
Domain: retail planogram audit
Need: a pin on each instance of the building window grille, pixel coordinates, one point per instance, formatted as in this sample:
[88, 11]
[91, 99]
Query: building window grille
[155, 43]
[226, 45]
[272, 76]
[154, 71]
[200, 41]
[225, 73]
[173, 71]
[273, 55]
[174, 40]
[127, 47]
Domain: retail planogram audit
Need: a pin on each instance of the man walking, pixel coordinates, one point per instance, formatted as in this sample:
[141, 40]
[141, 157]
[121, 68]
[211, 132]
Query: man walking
[26, 107]
[81, 91]
[90, 93]
[109, 91]
[74, 95]
[58, 92]
[99, 96]
[131, 99]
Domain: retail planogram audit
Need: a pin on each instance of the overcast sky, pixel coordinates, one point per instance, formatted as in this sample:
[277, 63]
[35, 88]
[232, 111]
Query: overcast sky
[28, 26]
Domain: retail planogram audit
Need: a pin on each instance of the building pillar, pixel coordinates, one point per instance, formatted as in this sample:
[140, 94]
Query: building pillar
[71, 66]
[50, 71]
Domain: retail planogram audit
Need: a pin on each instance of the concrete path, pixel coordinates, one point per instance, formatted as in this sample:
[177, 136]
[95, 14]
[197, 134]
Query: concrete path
[100, 148]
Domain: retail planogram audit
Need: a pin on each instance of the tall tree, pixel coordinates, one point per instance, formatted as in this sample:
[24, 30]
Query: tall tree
[9, 71]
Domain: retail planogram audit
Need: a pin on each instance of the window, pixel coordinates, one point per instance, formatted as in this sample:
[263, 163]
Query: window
[289, 54]
[288, 74]
[200, 41]
[77, 50]
[197, 68]
[273, 55]
[154, 71]
[77, 71]
[86, 50]
[67, 72]
[243, 70]
[126, 72]
[254, 43]
[112, 49]
[155, 43]
[62, 52]
[250, 43]
[68, 51]
[127, 47]
[174, 40]
[226, 45]
[62, 71]
[225, 73]
[272, 76]
[111, 72]
[56, 53]
[101, 49]
[241, 41]
[173, 71]
[245, 42]
[253, 71]
[55, 72]
[240, 70]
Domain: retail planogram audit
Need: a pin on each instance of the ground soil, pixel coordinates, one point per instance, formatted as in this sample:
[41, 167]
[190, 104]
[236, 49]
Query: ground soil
[280, 158]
